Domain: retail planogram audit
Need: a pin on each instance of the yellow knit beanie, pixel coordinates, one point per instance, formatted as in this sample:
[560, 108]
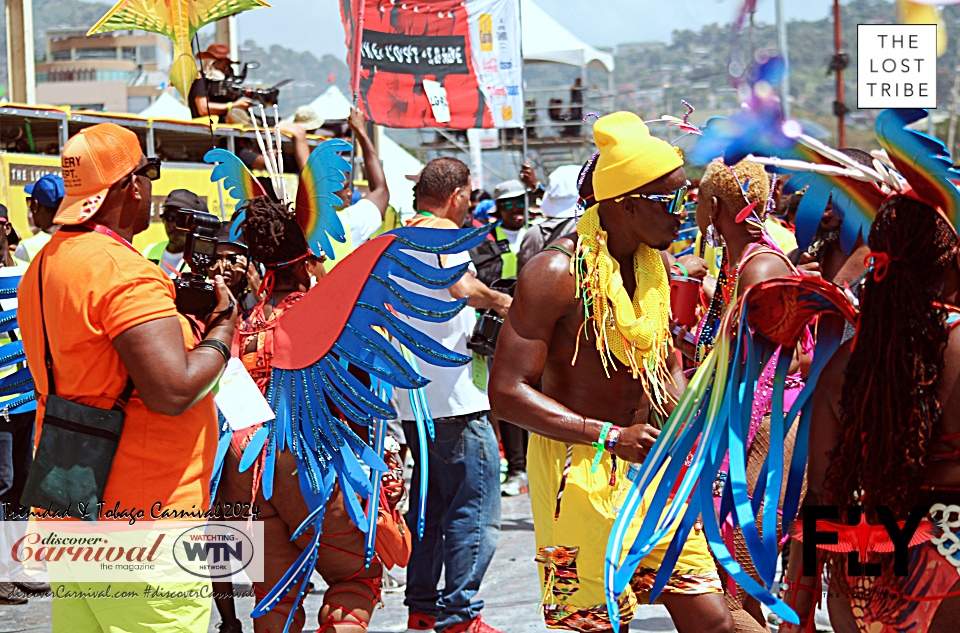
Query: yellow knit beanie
[629, 156]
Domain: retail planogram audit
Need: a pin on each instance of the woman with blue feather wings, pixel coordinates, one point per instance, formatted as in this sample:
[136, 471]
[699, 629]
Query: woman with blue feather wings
[315, 471]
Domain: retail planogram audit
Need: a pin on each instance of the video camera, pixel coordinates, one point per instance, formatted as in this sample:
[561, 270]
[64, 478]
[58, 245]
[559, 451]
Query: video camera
[231, 88]
[195, 295]
[483, 340]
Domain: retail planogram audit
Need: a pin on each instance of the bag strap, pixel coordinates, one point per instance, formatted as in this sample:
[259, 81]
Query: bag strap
[47, 357]
[561, 229]
[559, 248]
[121, 402]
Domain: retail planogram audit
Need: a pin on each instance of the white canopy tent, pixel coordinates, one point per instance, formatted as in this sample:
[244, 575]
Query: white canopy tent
[166, 106]
[545, 40]
[331, 105]
[398, 163]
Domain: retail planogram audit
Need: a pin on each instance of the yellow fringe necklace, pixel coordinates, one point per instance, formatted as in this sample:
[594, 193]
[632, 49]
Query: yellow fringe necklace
[634, 331]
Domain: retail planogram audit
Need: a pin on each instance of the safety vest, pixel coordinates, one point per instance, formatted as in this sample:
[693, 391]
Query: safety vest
[340, 249]
[494, 259]
[154, 252]
[32, 245]
[507, 257]
[391, 220]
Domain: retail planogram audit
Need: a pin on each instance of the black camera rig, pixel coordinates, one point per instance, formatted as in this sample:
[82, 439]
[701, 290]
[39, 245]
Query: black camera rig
[483, 340]
[231, 88]
[195, 294]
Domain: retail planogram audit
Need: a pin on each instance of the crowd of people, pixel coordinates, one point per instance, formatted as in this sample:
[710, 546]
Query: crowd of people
[590, 362]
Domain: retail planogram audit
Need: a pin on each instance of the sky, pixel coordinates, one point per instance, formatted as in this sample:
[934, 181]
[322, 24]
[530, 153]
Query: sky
[314, 25]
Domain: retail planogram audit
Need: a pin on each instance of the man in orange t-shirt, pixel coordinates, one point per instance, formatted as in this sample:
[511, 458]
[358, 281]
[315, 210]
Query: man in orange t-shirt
[110, 314]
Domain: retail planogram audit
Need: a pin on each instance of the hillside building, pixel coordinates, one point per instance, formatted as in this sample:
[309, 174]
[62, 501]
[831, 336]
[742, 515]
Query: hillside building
[121, 71]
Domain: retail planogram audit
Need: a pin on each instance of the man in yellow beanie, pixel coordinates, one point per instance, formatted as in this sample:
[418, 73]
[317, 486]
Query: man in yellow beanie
[586, 363]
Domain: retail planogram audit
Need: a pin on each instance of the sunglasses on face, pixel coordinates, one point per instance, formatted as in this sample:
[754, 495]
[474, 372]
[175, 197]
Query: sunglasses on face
[231, 258]
[509, 205]
[672, 201]
[151, 170]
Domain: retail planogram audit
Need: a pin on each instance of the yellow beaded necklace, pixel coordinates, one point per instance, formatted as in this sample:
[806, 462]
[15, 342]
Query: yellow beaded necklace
[634, 331]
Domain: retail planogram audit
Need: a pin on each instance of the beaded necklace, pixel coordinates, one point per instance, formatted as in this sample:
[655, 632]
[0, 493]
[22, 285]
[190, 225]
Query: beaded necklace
[726, 285]
[633, 330]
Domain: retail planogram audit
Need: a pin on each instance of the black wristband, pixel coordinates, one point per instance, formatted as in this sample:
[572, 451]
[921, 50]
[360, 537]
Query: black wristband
[220, 346]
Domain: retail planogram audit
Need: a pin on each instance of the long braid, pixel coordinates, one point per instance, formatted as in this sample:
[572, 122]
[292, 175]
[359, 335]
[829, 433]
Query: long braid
[890, 407]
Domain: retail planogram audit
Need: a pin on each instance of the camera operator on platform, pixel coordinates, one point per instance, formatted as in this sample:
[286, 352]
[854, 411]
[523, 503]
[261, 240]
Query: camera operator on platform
[202, 99]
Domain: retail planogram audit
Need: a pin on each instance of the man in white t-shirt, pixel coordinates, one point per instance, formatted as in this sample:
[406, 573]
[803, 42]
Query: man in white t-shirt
[463, 509]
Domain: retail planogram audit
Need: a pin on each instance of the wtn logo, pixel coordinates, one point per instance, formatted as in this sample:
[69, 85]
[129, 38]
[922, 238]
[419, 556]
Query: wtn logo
[218, 550]
[221, 551]
[858, 538]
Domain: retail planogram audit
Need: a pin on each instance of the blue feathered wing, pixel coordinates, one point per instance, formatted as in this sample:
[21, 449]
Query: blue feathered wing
[16, 388]
[305, 382]
[712, 421]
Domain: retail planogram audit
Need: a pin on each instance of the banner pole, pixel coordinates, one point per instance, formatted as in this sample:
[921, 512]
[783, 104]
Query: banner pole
[523, 115]
[357, 45]
[355, 79]
[526, 194]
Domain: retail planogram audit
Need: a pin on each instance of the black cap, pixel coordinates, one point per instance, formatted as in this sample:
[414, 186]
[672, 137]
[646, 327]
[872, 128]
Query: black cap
[223, 237]
[184, 199]
[223, 234]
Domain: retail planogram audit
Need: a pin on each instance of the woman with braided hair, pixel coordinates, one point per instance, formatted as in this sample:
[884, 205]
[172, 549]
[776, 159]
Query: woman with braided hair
[885, 430]
[276, 240]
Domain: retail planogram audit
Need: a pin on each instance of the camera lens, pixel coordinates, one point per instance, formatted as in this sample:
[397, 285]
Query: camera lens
[206, 224]
[198, 222]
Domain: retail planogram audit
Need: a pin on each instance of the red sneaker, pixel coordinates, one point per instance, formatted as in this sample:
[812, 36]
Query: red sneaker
[420, 623]
[476, 625]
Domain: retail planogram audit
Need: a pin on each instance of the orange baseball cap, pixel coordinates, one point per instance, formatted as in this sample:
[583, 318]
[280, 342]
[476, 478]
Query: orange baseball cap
[92, 162]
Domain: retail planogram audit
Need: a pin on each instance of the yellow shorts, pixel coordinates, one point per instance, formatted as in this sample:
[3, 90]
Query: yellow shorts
[572, 543]
[125, 607]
